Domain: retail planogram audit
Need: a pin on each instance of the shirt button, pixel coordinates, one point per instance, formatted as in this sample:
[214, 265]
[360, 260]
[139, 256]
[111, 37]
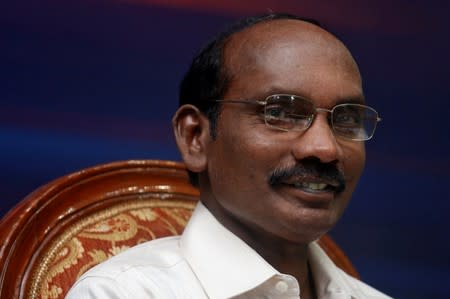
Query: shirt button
[281, 287]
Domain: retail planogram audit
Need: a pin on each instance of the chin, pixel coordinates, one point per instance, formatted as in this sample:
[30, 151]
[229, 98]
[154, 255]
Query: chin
[309, 230]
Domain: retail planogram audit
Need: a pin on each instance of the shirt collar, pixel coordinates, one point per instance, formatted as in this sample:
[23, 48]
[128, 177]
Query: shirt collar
[327, 277]
[332, 282]
[205, 242]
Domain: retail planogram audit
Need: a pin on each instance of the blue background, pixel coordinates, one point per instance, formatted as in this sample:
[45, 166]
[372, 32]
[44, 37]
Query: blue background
[90, 81]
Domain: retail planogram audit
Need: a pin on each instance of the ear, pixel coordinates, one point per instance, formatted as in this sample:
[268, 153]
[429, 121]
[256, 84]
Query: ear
[191, 129]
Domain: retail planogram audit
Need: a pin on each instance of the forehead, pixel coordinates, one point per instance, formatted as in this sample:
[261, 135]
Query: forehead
[292, 56]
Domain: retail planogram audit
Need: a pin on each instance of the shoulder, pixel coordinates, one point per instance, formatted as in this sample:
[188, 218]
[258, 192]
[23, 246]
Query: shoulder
[141, 271]
[162, 252]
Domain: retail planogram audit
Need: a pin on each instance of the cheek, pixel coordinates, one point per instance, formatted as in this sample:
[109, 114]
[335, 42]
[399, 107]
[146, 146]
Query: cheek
[244, 158]
[247, 138]
[261, 153]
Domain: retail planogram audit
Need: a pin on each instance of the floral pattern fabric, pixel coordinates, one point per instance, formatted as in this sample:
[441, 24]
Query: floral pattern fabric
[101, 236]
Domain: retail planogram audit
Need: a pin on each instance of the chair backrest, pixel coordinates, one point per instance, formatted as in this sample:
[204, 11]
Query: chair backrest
[77, 221]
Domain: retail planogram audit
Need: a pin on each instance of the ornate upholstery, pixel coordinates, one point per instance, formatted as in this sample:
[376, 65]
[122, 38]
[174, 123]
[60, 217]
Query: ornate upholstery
[77, 221]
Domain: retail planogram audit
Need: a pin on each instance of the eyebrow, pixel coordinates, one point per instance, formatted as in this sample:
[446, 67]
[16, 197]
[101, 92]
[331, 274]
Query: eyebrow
[352, 100]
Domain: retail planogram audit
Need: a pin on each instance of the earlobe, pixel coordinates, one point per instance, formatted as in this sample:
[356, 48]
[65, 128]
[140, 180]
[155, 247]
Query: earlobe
[191, 130]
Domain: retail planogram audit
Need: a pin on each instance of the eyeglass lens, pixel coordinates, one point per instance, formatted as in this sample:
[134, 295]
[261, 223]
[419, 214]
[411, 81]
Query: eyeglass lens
[288, 112]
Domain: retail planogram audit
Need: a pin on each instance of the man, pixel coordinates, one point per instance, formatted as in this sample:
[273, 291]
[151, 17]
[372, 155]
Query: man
[271, 126]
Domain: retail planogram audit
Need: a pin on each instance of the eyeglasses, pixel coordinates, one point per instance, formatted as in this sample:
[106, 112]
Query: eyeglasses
[293, 113]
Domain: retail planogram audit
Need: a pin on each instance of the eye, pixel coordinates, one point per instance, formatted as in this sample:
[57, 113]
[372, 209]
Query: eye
[347, 116]
[347, 119]
[275, 112]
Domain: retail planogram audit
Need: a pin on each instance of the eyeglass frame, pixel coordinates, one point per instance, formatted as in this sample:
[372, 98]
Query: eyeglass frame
[316, 109]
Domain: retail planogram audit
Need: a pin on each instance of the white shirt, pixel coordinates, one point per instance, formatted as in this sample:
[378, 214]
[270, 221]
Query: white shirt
[208, 261]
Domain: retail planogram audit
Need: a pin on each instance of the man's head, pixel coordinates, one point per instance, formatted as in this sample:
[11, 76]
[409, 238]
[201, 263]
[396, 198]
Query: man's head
[207, 79]
[255, 178]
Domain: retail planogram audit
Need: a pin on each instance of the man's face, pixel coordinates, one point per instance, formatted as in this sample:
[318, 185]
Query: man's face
[288, 57]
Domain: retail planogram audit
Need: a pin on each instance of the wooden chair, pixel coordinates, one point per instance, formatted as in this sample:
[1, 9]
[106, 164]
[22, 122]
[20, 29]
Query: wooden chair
[77, 221]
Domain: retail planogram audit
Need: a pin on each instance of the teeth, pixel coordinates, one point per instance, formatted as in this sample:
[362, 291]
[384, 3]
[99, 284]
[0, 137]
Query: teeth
[312, 186]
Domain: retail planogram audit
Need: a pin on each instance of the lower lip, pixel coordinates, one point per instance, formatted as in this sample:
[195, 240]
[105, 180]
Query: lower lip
[313, 198]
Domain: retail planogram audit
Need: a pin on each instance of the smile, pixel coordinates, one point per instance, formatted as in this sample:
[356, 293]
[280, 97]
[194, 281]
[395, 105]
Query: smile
[320, 179]
[311, 186]
[308, 193]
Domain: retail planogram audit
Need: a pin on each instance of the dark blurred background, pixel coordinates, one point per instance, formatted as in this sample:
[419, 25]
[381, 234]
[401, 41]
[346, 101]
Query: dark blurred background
[90, 81]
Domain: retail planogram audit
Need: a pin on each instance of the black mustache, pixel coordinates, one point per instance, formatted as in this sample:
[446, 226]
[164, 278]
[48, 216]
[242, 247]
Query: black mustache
[309, 168]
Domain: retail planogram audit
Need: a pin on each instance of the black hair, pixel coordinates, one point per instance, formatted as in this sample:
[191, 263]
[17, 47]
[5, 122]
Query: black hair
[207, 78]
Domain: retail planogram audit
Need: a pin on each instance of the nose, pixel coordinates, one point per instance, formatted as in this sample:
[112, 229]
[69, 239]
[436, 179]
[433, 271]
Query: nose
[317, 141]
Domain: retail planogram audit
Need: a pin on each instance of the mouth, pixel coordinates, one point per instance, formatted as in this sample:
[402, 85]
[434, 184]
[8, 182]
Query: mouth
[310, 178]
[310, 192]
[314, 185]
